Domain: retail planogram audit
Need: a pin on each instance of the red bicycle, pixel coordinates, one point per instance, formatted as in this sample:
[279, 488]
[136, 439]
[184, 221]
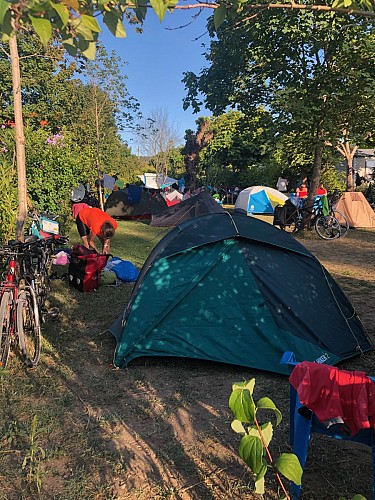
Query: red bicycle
[19, 313]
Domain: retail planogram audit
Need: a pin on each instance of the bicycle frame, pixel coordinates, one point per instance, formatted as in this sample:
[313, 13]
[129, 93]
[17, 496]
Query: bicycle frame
[9, 284]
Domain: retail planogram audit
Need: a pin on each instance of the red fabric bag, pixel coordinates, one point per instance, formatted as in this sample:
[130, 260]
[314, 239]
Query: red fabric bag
[84, 270]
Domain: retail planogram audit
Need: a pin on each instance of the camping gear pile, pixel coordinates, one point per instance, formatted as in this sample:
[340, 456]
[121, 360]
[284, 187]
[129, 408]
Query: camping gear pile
[88, 269]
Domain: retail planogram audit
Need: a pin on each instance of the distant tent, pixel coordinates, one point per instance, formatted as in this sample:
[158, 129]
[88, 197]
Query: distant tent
[356, 209]
[199, 204]
[134, 203]
[156, 181]
[236, 290]
[259, 200]
[173, 197]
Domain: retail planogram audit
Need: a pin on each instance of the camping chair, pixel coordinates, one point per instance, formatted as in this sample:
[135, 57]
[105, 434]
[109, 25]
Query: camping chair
[304, 423]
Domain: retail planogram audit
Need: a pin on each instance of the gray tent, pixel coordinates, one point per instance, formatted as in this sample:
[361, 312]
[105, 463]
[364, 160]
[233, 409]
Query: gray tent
[200, 204]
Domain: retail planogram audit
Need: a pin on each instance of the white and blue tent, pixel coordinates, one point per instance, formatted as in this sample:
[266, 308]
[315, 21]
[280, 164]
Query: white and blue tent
[259, 200]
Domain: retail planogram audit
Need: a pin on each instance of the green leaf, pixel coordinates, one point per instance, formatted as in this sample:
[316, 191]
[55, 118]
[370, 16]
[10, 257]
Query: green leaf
[267, 432]
[245, 385]
[242, 405]
[238, 427]
[4, 6]
[91, 23]
[82, 31]
[268, 404]
[259, 481]
[70, 46]
[251, 452]
[87, 48]
[114, 24]
[259, 486]
[219, 15]
[7, 26]
[289, 466]
[160, 8]
[62, 12]
[42, 27]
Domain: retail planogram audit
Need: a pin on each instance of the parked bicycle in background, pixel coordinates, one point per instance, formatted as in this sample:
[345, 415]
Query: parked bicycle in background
[328, 222]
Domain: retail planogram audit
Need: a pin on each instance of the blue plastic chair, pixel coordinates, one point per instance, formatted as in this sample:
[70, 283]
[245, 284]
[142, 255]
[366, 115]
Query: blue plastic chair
[303, 425]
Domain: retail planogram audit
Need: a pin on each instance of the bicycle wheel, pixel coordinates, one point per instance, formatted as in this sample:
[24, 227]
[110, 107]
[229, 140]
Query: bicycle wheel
[28, 326]
[5, 324]
[327, 227]
[343, 221]
[291, 225]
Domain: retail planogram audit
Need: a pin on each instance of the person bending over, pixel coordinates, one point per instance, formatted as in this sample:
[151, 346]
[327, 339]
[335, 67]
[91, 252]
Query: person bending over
[93, 222]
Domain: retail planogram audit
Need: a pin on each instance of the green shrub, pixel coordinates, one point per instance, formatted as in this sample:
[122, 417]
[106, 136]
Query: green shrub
[8, 202]
[54, 164]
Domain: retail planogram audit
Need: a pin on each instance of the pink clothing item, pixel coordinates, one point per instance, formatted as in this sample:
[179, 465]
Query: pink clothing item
[332, 393]
[77, 207]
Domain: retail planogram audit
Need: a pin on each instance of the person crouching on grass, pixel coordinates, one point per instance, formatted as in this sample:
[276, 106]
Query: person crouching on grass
[93, 222]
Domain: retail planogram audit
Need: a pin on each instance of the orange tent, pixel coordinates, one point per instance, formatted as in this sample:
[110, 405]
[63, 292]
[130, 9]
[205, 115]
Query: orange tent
[356, 209]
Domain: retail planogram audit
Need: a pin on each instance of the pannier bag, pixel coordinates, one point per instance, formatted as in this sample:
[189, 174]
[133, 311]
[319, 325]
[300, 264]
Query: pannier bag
[85, 267]
[44, 227]
[282, 213]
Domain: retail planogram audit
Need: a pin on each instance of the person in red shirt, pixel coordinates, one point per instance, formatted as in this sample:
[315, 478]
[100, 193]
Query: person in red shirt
[321, 190]
[93, 222]
[302, 191]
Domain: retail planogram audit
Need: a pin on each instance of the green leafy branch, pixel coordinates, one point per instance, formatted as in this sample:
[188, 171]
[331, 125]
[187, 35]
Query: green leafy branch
[256, 437]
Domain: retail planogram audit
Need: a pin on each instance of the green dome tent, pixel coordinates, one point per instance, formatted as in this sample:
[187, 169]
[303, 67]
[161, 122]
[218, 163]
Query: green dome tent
[235, 289]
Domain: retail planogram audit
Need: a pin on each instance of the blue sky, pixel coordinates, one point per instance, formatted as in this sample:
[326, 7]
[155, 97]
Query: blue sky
[156, 61]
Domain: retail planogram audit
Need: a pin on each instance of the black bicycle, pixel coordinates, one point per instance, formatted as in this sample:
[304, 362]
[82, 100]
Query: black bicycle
[37, 266]
[328, 222]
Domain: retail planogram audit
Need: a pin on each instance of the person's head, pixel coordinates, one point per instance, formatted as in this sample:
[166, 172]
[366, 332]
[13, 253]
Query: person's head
[107, 231]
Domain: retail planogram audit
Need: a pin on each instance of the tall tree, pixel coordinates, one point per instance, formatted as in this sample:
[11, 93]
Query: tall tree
[239, 144]
[194, 143]
[158, 137]
[305, 68]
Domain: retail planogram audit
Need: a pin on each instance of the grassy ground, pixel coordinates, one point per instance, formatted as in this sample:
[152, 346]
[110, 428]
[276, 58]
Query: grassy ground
[161, 428]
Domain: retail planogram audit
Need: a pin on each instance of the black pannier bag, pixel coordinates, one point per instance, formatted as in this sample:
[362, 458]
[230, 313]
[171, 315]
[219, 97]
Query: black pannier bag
[282, 213]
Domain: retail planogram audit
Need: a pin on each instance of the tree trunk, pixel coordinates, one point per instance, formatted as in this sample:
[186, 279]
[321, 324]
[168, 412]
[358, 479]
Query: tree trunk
[100, 191]
[315, 179]
[345, 150]
[20, 139]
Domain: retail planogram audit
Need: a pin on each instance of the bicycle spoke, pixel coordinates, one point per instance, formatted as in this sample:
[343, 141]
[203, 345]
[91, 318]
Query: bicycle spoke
[343, 221]
[327, 227]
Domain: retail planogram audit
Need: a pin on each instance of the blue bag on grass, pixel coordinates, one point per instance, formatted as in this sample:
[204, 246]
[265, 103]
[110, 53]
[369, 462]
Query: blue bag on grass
[126, 271]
